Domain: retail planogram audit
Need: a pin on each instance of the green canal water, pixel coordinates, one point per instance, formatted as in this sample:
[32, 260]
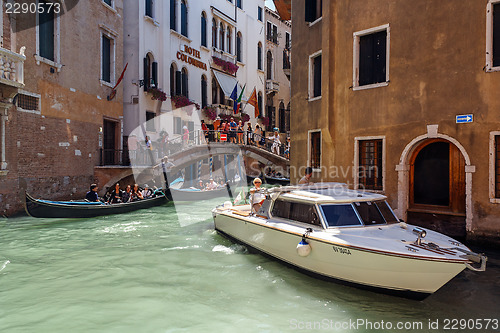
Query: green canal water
[165, 269]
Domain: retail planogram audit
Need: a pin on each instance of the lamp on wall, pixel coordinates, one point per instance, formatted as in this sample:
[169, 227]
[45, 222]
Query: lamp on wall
[151, 83]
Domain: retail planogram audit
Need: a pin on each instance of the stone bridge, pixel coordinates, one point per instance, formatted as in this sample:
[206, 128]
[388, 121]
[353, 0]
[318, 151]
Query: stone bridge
[107, 176]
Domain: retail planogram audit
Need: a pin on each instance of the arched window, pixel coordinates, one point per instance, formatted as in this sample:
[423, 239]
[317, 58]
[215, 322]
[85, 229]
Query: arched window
[204, 97]
[150, 72]
[238, 47]
[259, 56]
[221, 39]
[287, 116]
[184, 82]
[173, 71]
[229, 40]
[214, 33]
[259, 101]
[173, 15]
[282, 119]
[214, 91]
[184, 17]
[203, 29]
[269, 64]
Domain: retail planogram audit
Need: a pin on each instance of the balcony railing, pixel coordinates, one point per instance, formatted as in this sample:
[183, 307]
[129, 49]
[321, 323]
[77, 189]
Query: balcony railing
[223, 55]
[12, 67]
[272, 86]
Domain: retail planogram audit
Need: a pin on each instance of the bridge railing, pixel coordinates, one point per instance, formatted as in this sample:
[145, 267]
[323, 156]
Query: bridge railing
[143, 156]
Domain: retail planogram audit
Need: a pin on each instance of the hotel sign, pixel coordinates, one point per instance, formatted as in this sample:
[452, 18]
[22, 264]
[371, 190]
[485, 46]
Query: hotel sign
[191, 56]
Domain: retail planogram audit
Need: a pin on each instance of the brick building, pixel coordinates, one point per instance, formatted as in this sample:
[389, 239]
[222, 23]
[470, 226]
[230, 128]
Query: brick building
[402, 98]
[55, 109]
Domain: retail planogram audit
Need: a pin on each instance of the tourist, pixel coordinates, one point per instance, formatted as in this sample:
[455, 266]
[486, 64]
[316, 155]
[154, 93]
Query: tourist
[204, 129]
[216, 129]
[287, 150]
[127, 194]
[211, 184]
[249, 133]
[222, 130]
[239, 130]
[136, 193]
[256, 197]
[116, 195]
[146, 193]
[306, 180]
[92, 195]
[232, 130]
[275, 148]
[257, 133]
[185, 137]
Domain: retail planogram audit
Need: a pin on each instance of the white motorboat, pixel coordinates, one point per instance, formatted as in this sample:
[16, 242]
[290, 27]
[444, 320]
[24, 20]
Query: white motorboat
[354, 237]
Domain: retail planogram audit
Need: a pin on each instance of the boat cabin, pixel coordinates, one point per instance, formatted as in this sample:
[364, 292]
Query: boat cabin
[323, 209]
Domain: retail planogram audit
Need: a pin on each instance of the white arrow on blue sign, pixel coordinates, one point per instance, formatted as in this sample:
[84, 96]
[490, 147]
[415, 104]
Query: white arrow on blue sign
[464, 118]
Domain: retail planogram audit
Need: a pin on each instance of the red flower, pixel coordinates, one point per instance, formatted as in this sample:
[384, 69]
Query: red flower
[227, 66]
[157, 94]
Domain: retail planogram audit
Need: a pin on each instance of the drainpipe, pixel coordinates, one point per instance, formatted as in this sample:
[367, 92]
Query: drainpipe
[4, 117]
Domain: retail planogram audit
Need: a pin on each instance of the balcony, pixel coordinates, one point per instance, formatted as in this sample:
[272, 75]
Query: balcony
[12, 68]
[223, 55]
[272, 86]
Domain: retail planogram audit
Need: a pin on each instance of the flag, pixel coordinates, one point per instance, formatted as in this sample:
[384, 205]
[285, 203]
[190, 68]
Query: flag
[234, 94]
[113, 91]
[253, 101]
[237, 104]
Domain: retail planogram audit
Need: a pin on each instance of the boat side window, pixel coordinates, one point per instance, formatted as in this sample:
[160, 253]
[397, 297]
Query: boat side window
[369, 213]
[300, 212]
[340, 215]
[386, 211]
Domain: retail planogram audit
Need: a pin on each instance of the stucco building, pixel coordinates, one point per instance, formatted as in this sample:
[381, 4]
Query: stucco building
[402, 98]
[190, 51]
[277, 72]
[57, 71]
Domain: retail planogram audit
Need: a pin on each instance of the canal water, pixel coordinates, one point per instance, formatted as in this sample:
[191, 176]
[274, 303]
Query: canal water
[165, 269]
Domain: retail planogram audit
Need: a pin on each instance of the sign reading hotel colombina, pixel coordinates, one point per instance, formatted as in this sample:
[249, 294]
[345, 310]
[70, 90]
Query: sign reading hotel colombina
[189, 55]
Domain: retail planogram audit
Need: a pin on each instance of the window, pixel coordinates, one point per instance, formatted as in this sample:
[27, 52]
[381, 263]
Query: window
[259, 56]
[109, 3]
[214, 91]
[272, 33]
[150, 121]
[150, 72]
[269, 63]
[204, 97]
[149, 8]
[288, 41]
[214, 33]
[239, 4]
[386, 211]
[282, 117]
[177, 125]
[315, 149]
[228, 40]
[493, 36]
[315, 75]
[106, 59]
[369, 213]
[296, 211]
[28, 102]
[221, 39]
[313, 10]
[340, 215]
[370, 164]
[203, 29]
[184, 23]
[46, 35]
[173, 71]
[184, 82]
[495, 167]
[238, 47]
[259, 13]
[371, 57]
[173, 14]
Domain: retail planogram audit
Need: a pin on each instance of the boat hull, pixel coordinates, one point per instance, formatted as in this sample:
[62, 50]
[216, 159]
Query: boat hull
[193, 195]
[277, 181]
[391, 273]
[45, 209]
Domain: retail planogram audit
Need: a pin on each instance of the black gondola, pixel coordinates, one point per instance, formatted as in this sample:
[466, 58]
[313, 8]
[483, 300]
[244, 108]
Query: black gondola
[82, 209]
[277, 180]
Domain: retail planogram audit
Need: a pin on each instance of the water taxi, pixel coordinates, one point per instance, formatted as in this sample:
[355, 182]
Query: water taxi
[350, 236]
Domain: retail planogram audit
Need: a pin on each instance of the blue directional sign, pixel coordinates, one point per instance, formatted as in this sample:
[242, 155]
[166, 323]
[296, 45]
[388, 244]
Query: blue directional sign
[464, 118]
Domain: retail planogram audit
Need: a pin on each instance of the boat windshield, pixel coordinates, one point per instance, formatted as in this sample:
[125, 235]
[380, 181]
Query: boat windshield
[369, 213]
[340, 215]
[386, 211]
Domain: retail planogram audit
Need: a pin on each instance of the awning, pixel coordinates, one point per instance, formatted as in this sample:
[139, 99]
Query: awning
[227, 83]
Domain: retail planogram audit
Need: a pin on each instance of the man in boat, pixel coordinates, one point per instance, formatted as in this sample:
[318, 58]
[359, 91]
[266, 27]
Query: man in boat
[92, 194]
[127, 194]
[146, 193]
[256, 197]
[116, 195]
[306, 180]
[211, 185]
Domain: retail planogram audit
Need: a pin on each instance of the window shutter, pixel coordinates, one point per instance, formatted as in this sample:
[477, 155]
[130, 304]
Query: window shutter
[203, 93]
[185, 85]
[106, 59]
[275, 34]
[269, 30]
[146, 74]
[172, 14]
[46, 33]
[184, 19]
[178, 83]
[203, 31]
[496, 35]
[365, 60]
[379, 59]
[238, 48]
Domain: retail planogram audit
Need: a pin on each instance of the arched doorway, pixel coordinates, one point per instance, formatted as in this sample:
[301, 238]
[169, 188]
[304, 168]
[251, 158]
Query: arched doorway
[437, 187]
